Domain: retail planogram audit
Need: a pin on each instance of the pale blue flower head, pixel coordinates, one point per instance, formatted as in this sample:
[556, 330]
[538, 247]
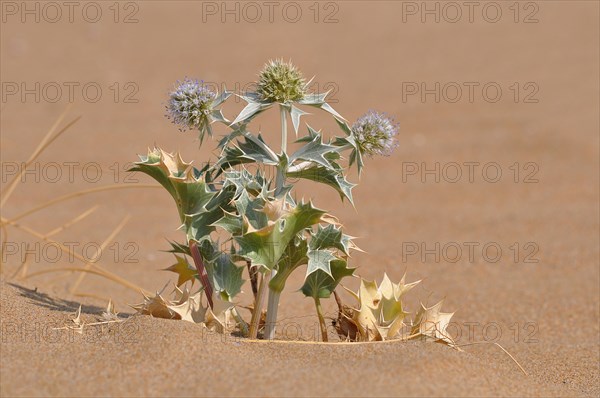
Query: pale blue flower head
[191, 106]
[375, 134]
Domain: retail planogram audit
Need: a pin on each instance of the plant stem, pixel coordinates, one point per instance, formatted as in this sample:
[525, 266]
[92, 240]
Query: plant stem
[256, 313]
[253, 273]
[241, 322]
[321, 319]
[279, 181]
[272, 314]
[202, 274]
[280, 177]
[273, 303]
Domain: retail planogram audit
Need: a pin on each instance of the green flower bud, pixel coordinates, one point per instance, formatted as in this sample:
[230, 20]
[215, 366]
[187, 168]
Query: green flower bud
[280, 82]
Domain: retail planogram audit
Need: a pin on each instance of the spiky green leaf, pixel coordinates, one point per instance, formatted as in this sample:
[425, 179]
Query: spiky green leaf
[331, 237]
[321, 285]
[318, 260]
[332, 177]
[314, 151]
[250, 209]
[226, 277]
[179, 248]
[198, 204]
[250, 111]
[231, 223]
[266, 246]
[295, 255]
[251, 150]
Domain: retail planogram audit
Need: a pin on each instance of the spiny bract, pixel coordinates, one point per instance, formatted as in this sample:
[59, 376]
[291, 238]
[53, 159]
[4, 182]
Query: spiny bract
[280, 82]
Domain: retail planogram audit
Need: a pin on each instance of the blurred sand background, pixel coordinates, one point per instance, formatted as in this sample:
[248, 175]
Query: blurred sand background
[368, 54]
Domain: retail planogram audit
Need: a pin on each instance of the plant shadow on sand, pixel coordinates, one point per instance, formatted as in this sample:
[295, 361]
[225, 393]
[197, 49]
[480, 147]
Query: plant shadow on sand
[55, 304]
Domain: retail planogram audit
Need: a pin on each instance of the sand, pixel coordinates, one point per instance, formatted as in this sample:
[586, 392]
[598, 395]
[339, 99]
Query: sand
[545, 313]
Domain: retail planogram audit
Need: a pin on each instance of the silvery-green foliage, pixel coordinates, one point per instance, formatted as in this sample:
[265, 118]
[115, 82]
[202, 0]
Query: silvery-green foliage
[316, 160]
[200, 205]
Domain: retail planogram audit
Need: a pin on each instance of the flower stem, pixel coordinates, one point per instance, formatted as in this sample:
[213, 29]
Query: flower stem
[321, 319]
[280, 177]
[283, 129]
[258, 303]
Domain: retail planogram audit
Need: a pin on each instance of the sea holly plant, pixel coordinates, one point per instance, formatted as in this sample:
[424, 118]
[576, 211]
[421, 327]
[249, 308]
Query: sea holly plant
[238, 221]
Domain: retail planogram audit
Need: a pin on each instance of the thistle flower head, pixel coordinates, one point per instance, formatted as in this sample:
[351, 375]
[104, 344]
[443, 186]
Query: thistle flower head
[281, 82]
[374, 134]
[190, 105]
